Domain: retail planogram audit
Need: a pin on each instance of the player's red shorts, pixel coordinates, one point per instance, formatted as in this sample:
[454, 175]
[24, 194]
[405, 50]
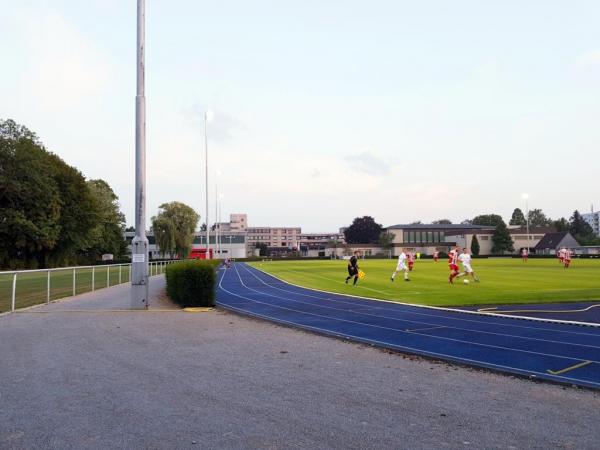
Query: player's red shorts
[453, 267]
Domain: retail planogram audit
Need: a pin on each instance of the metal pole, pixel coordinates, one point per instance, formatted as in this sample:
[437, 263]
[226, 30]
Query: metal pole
[74, 281]
[206, 170]
[93, 278]
[139, 244]
[14, 291]
[527, 212]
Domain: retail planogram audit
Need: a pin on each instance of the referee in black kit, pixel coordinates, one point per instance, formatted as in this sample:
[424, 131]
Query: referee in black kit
[353, 268]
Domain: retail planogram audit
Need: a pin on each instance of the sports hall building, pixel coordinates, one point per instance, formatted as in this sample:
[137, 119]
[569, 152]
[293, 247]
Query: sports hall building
[428, 238]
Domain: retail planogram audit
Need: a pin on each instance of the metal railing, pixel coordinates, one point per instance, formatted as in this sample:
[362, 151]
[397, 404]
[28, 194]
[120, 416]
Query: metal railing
[23, 288]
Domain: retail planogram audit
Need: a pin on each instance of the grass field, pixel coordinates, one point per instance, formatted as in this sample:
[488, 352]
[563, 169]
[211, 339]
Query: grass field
[503, 281]
[32, 287]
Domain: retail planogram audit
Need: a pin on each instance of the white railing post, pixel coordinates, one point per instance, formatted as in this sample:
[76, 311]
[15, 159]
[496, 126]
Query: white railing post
[74, 281]
[93, 278]
[108, 276]
[119, 273]
[48, 289]
[14, 291]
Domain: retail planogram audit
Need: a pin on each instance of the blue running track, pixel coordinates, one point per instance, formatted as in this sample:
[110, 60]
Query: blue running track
[553, 351]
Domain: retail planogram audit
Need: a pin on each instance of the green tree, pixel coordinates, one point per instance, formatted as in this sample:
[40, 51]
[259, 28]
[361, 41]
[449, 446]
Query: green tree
[501, 239]
[561, 224]
[386, 239]
[47, 210]
[164, 233]
[491, 220]
[442, 222]
[581, 230]
[517, 218]
[364, 230]
[30, 203]
[107, 234]
[537, 218]
[183, 220]
[78, 213]
[475, 245]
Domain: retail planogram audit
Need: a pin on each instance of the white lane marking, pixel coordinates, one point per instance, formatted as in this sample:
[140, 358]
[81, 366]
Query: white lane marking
[390, 328]
[399, 347]
[418, 321]
[456, 310]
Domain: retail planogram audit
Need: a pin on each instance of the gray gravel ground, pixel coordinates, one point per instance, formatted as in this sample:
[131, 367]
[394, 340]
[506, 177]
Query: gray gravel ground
[101, 380]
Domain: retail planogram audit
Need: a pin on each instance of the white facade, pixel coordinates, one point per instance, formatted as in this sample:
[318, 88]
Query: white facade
[238, 222]
[593, 219]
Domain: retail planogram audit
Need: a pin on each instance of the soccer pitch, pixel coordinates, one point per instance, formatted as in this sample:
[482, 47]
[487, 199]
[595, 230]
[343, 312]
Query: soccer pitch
[503, 280]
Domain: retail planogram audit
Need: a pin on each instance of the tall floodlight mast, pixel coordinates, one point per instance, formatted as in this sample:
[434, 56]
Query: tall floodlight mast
[139, 244]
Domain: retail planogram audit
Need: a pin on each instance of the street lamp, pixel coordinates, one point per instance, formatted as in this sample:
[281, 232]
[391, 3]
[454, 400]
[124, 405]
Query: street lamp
[220, 237]
[217, 218]
[526, 198]
[208, 115]
[139, 244]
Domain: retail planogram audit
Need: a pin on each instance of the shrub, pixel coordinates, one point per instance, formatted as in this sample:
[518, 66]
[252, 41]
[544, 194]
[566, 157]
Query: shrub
[192, 283]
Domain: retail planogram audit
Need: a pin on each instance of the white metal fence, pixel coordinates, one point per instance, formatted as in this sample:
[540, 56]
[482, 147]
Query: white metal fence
[22, 288]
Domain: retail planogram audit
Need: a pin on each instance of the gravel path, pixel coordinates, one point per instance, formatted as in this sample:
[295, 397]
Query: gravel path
[73, 376]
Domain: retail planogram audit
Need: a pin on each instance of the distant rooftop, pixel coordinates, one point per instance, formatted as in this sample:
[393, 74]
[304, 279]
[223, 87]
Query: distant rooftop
[429, 226]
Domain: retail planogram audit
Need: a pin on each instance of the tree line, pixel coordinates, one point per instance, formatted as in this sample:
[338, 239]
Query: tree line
[365, 230]
[50, 215]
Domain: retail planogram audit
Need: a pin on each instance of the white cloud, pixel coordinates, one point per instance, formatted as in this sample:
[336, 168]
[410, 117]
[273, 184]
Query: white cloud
[64, 68]
[588, 60]
[368, 163]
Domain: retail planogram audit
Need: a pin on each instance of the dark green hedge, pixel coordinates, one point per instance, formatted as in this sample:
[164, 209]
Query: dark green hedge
[192, 283]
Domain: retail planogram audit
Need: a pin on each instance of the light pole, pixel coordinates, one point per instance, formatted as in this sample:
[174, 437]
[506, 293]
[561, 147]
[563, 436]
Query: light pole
[217, 218]
[220, 201]
[526, 198]
[208, 115]
[139, 244]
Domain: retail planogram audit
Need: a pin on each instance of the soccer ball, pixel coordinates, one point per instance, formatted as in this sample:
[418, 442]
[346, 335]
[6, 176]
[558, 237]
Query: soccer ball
[466, 281]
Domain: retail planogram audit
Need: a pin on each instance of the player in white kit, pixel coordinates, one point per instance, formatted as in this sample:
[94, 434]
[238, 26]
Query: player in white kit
[465, 260]
[401, 267]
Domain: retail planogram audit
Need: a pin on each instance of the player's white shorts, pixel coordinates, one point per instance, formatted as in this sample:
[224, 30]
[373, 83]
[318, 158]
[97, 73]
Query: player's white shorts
[468, 268]
[401, 267]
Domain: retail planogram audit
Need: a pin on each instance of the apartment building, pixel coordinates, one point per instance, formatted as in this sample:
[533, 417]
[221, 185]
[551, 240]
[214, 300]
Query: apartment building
[274, 236]
[593, 218]
[238, 222]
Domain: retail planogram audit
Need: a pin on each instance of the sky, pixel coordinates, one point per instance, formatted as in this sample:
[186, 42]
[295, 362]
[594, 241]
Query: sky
[323, 110]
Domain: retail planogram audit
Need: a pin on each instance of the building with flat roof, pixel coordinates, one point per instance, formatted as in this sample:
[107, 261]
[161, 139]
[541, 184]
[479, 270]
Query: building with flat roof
[593, 218]
[320, 244]
[229, 245]
[274, 236]
[238, 222]
[428, 238]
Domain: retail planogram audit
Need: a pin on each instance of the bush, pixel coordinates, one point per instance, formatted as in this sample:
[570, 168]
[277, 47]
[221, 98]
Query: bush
[192, 283]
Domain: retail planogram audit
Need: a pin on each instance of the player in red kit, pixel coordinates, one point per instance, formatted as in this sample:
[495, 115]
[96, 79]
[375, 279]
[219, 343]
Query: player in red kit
[561, 255]
[411, 261]
[568, 254]
[453, 264]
